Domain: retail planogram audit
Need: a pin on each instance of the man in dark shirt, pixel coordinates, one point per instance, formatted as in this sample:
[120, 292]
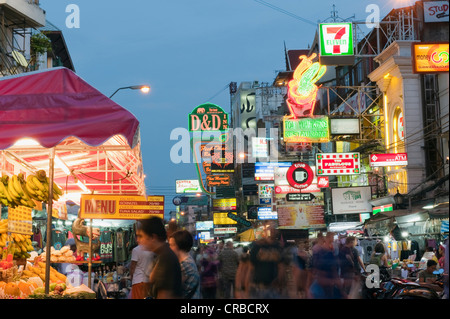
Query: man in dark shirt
[165, 279]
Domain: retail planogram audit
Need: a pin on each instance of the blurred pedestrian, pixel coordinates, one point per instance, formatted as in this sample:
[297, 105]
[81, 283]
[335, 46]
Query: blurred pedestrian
[165, 278]
[181, 243]
[243, 275]
[348, 267]
[326, 282]
[302, 272]
[140, 267]
[266, 260]
[209, 274]
[228, 264]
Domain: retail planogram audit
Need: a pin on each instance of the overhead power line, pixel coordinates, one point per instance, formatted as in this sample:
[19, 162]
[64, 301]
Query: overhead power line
[292, 15]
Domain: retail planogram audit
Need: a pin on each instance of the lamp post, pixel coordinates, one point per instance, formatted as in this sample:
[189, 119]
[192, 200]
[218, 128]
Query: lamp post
[144, 89]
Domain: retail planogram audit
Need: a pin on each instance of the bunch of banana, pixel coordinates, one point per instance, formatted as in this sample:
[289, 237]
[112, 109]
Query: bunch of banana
[13, 193]
[20, 245]
[3, 232]
[39, 270]
[37, 187]
[3, 226]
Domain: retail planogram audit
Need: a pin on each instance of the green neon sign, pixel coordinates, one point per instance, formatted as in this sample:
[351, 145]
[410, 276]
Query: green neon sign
[208, 117]
[306, 130]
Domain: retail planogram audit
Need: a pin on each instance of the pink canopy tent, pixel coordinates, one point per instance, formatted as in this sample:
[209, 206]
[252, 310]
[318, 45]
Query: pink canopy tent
[52, 105]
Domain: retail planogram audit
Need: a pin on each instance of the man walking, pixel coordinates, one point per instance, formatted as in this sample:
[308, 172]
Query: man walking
[228, 264]
[165, 278]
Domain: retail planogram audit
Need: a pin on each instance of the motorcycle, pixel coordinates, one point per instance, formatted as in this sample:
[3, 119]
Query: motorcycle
[398, 288]
[423, 290]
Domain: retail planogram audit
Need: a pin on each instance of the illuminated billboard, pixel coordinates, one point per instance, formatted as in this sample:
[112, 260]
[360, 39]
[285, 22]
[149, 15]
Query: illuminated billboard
[430, 57]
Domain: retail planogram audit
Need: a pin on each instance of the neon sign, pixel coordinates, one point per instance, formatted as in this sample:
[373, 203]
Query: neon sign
[306, 130]
[208, 117]
[302, 91]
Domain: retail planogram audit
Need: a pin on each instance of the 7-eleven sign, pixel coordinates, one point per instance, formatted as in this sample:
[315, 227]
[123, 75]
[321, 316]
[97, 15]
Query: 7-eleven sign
[336, 39]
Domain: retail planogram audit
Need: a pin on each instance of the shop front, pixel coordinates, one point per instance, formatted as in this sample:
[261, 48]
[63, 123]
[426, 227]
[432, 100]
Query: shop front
[60, 140]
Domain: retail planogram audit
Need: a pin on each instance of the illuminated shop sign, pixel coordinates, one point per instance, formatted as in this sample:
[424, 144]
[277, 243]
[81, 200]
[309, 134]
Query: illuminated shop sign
[302, 90]
[336, 39]
[306, 130]
[225, 204]
[394, 159]
[338, 164]
[266, 213]
[265, 171]
[208, 117]
[188, 186]
[204, 225]
[430, 57]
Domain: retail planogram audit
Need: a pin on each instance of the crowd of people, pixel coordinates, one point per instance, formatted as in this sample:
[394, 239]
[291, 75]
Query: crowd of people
[267, 269]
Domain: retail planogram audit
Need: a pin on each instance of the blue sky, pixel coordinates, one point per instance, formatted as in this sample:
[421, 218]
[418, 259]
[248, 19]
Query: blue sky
[187, 51]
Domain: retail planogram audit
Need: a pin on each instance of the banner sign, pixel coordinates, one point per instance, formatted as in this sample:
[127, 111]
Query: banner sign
[300, 197]
[301, 216]
[208, 117]
[265, 171]
[188, 186]
[266, 213]
[435, 11]
[204, 225]
[338, 164]
[224, 204]
[382, 209]
[265, 192]
[306, 130]
[351, 200]
[430, 57]
[223, 219]
[225, 230]
[393, 159]
[344, 126]
[260, 147]
[121, 207]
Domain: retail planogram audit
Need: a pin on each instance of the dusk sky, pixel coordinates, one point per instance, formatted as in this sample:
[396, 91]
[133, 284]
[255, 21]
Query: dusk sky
[188, 52]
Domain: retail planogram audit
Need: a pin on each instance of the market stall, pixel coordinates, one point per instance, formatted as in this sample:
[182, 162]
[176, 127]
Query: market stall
[408, 236]
[56, 127]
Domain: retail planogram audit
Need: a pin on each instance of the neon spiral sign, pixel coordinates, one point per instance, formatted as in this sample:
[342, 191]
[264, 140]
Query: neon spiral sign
[302, 90]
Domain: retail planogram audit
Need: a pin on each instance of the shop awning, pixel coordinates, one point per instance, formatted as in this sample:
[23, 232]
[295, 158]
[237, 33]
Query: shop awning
[49, 106]
[96, 141]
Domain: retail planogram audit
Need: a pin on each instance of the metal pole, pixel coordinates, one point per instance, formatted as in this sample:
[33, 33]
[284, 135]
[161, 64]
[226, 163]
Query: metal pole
[90, 257]
[49, 219]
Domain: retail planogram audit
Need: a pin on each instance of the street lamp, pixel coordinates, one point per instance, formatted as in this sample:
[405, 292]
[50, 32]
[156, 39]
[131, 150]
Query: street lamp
[144, 89]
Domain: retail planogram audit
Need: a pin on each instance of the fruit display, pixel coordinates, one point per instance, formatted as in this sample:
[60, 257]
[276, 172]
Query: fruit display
[17, 191]
[38, 270]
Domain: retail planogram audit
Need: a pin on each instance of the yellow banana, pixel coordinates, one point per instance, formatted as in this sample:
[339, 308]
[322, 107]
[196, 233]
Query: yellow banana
[5, 191]
[12, 191]
[17, 186]
[38, 184]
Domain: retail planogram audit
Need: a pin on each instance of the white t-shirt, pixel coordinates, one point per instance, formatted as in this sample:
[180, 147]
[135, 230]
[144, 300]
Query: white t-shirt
[144, 263]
